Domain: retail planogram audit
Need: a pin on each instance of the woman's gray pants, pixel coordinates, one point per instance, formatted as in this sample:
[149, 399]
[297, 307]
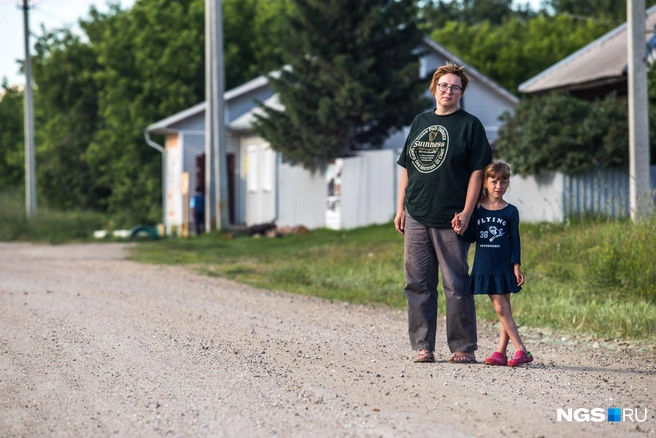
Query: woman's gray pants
[425, 250]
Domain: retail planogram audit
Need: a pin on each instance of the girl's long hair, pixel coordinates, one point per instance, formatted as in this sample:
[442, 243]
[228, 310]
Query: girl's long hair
[498, 169]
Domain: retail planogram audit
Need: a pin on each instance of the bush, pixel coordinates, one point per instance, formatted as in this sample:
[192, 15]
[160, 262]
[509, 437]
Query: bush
[558, 132]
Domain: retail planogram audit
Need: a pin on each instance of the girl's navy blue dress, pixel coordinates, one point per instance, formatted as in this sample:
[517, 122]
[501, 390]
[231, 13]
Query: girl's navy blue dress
[497, 249]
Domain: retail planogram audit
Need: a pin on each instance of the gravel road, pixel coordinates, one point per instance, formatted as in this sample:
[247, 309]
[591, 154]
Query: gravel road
[94, 345]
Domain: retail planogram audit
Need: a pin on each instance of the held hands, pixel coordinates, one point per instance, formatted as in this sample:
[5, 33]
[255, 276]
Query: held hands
[518, 275]
[460, 222]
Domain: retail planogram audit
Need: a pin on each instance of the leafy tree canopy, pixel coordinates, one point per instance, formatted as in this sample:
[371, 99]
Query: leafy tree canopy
[517, 49]
[612, 11]
[558, 132]
[436, 13]
[351, 78]
[12, 155]
[66, 116]
[95, 95]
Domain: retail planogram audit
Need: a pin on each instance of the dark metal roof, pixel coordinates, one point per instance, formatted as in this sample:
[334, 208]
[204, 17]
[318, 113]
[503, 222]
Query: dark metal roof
[601, 62]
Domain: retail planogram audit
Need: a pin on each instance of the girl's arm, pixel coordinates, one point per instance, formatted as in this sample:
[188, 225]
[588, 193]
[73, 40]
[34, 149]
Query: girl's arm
[399, 219]
[515, 246]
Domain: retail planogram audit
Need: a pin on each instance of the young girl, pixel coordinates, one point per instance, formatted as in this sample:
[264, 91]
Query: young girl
[496, 272]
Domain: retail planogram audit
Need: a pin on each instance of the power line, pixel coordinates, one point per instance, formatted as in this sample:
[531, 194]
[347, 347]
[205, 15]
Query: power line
[52, 16]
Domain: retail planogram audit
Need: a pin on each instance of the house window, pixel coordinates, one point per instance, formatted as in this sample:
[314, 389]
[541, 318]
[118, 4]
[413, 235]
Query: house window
[252, 168]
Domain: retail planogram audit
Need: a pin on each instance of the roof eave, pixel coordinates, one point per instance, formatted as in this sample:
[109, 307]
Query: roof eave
[580, 86]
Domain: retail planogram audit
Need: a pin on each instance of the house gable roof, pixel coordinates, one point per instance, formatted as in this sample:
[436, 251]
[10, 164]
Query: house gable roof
[165, 126]
[602, 61]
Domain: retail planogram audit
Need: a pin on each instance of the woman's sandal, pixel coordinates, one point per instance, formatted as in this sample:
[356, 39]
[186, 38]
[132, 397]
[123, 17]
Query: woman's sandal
[461, 358]
[425, 356]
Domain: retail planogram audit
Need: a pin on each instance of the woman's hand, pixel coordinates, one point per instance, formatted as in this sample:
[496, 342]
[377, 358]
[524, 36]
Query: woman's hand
[460, 222]
[399, 221]
[456, 224]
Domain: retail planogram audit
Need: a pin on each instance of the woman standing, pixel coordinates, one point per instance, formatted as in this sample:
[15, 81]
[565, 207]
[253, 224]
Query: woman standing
[443, 160]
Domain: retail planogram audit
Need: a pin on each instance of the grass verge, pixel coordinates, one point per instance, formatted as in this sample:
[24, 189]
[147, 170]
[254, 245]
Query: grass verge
[594, 276]
[46, 225]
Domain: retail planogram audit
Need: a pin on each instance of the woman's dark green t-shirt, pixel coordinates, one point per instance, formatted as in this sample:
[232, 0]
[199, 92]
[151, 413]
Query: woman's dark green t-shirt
[440, 154]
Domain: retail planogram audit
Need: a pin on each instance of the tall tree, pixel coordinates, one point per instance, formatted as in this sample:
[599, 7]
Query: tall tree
[613, 11]
[251, 28]
[350, 78]
[518, 49]
[12, 161]
[436, 13]
[67, 114]
[95, 95]
[558, 132]
[151, 66]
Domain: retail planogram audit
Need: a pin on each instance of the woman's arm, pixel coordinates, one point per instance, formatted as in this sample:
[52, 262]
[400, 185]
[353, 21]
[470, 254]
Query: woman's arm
[399, 219]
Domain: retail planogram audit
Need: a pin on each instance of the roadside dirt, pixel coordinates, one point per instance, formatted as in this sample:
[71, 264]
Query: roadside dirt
[94, 345]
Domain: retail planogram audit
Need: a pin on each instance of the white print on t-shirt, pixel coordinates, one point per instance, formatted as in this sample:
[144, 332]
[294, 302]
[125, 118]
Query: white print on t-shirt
[492, 231]
[428, 150]
[494, 220]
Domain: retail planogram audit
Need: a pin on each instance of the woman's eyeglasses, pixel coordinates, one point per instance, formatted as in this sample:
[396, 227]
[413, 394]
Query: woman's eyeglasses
[454, 88]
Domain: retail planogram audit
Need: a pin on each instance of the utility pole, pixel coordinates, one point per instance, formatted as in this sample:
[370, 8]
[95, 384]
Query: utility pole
[216, 196]
[30, 166]
[639, 183]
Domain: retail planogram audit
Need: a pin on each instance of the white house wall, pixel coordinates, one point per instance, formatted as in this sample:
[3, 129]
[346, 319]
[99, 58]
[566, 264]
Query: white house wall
[538, 198]
[368, 189]
[174, 207]
[488, 106]
[258, 171]
[302, 197]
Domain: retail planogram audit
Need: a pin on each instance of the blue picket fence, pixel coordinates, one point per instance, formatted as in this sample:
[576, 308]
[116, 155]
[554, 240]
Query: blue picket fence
[600, 191]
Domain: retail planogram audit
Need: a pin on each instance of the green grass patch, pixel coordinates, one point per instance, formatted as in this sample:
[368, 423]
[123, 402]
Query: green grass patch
[46, 225]
[595, 276]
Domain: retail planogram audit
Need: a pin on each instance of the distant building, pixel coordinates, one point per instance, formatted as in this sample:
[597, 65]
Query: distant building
[351, 192]
[591, 72]
[596, 69]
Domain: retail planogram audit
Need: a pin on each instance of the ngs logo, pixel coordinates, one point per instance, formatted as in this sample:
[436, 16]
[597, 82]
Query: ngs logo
[615, 415]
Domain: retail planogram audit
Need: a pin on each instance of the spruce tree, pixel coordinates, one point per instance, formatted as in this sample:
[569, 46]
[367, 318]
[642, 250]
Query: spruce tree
[351, 79]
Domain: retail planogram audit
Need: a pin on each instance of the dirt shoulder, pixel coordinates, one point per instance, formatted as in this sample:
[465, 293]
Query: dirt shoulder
[94, 345]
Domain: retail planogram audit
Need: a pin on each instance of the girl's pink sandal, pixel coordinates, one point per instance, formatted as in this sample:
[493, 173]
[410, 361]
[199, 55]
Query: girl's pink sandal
[497, 359]
[520, 359]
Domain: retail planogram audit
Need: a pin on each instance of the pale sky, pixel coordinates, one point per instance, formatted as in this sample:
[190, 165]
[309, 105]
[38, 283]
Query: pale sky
[55, 14]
